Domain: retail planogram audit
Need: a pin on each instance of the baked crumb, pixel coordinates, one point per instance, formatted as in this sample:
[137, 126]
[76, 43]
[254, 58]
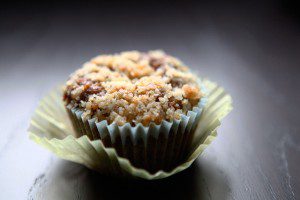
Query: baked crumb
[133, 87]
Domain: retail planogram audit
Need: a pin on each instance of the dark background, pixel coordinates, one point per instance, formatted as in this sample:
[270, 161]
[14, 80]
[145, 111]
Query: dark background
[252, 49]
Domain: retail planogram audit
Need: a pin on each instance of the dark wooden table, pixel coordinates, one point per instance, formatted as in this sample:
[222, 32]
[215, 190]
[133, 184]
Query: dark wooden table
[253, 50]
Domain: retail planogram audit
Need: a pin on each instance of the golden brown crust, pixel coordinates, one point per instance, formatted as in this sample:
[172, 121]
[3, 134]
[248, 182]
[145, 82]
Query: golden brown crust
[133, 87]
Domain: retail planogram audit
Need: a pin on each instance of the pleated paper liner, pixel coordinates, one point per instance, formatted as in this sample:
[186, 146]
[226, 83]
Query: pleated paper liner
[152, 147]
[50, 127]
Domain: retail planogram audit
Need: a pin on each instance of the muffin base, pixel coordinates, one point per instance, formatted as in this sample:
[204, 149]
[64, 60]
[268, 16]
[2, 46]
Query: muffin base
[154, 147]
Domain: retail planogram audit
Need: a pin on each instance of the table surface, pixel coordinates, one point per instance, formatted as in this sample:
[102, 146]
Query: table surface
[252, 50]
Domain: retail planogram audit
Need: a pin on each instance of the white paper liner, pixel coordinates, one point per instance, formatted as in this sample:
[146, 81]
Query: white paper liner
[51, 128]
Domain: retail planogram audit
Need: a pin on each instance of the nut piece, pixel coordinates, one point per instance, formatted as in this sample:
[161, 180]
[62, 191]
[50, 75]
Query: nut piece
[191, 92]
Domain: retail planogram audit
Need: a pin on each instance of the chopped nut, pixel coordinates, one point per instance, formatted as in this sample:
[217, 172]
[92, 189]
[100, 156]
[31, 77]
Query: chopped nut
[191, 92]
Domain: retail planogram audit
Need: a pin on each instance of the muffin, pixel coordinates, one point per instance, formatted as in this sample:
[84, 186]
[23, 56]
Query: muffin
[144, 105]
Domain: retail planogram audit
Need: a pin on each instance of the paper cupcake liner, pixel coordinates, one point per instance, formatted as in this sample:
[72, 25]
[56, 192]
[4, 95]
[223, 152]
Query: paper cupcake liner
[152, 147]
[50, 127]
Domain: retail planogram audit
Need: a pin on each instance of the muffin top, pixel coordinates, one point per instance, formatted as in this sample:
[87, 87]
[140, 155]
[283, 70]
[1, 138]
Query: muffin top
[133, 87]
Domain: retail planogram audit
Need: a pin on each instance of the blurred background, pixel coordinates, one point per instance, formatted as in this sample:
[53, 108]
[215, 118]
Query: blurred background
[251, 48]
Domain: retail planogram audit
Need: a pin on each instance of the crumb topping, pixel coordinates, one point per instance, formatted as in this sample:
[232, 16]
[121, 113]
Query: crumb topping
[133, 87]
